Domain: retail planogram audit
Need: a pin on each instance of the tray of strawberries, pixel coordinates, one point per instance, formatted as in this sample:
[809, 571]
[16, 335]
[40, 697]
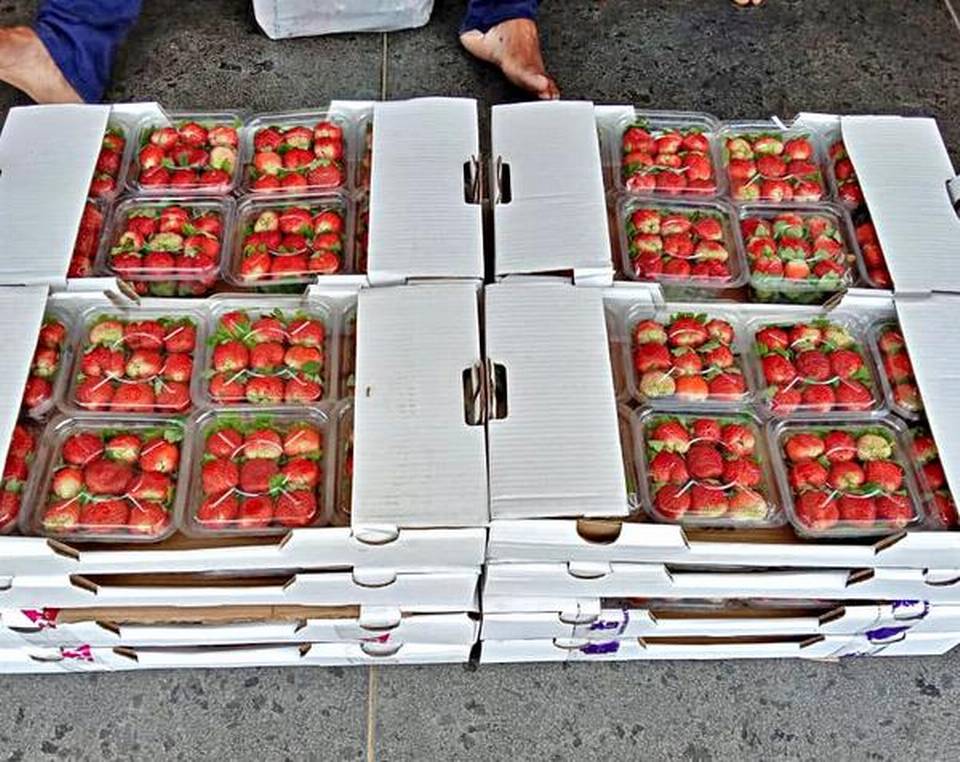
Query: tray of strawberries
[15, 484]
[134, 361]
[931, 479]
[110, 171]
[707, 470]
[814, 368]
[258, 473]
[275, 354]
[296, 152]
[111, 479]
[895, 369]
[46, 379]
[842, 479]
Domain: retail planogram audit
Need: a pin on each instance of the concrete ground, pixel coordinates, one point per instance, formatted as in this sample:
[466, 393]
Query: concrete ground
[854, 56]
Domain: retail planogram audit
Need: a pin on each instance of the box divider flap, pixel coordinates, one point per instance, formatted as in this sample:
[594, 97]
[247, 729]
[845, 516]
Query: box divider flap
[929, 331]
[904, 168]
[556, 450]
[47, 158]
[421, 223]
[550, 211]
[417, 462]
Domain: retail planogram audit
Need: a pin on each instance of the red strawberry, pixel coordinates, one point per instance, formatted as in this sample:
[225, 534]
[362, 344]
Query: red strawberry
[845, 475]
[123, 447]
[687, 332]
[886, 474]
[296, 509]
[857, 509]
[144, 364]
[746, 504]
[845, 362]
[177, 367]
[159, 456]
[818, 398]
[22, 441]
[133, 398]
[668, 467]
[151, 486]
[265, 390]
[719, 357]
[67, 482]
[720, 330]
[812, 365]
[786, 401]
[817, 511]
[898, 511]
[144, 334]
[173, 396]
[934, 476]
[738, 440]
[219, 475]
[301, 473]
[219, 511]
[301, 389]
[104, 516]
[672, 436]
[256, 473]
[267, 329]
[707, 429]
[9, 507]
[301, 439]
[80, 449]
[687, 362]
[692, 388]
[807, 474]
[707, 501]
[224, 443]
[266, 356]
[156, 176]
[52, 335]
[230, 356]
[852, 395]
[62, 515]
[704, 461]
[773, 338]
[839, 446]
[898, 366]
[671, 501]
[324, 176]
[728, 386]
[743, 472]
[803, 446]
[255, 513]
[777, 369]
[148, 518]
[263, 443]
[305, 332]
[107, 477]
[651, 356]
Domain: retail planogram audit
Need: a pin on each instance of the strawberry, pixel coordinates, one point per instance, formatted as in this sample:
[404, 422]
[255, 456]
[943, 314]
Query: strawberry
[818, 398]
[813, 365]
[226, 387]
[301, 473]
[173, 396]
[738, 440]
[147, 518]
[671, 502]
[9, 507]
[720, 330]
[704, 461]
[219, 476]
[267, 329]
[706, 501]
[727, 386]
[651, 356]
[301, 439]
[891, 341]
[853, 395]
[817, 511]
[255, 513]
[803, 446]
[742, 472]
[687, 332]
[266, 356]
[923, 448]
[907, 395]
[263, 443]
[256, 474]
[845, 362]
[807, 474]
[53, 334]
[898, 366]
[230, 356]
[79, 449]
[23, 443]
[305, 332]
[151, 486]
[67, 483]
[224, 443]
[296, 509]
[886, 474]
[934, 476]
[144, 364]
[177, 367]
[692, 388]
[159, 456]
[786, 401]
[746, 504]
[107, 477]
[719, 357]
[123, 447]
[265, 390]
[772, 338]
[299, 389]
[61, 515]
[104, 515]
[706, 429]
[857, 509]
[845, 475]
[218, 511]
[897, 511]
[671, 436]
[656, 383]
[777, 369]
[668, 467]
[133, 398]
[873, 446]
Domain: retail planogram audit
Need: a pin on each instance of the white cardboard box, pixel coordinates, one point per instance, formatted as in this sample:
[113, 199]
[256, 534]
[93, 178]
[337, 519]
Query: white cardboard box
[216, 626]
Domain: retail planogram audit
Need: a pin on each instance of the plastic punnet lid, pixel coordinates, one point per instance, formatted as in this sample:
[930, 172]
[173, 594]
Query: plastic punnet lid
[169, 246]
[841, 479]
[683, 245]
[259, 473]
[677, 358]
[276, 353]
[290, 240]
[134, 361]
[766, 163]
[797, 253]
[110, 479]
[194, 153]
[706, 469]
[671, 153]
[295, 152]
[814, 368]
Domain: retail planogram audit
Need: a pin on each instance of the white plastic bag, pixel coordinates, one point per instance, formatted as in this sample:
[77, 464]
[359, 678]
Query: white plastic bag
[281, 19]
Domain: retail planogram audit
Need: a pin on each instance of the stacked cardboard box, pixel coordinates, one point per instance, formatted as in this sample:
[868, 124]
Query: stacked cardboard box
[580, 565]
[391, 572]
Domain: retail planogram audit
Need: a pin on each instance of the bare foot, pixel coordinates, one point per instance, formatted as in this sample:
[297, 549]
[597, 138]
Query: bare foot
[514, 46]
[26, 64]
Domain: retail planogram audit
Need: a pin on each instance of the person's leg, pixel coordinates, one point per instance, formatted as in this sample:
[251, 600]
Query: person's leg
[504, 33]
[69, 54]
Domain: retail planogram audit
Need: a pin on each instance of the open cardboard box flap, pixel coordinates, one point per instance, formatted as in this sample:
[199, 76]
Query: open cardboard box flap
[553, 435]
[903, 168]
[418, 461]
[549, 207]
[425, 216]
[47, 158]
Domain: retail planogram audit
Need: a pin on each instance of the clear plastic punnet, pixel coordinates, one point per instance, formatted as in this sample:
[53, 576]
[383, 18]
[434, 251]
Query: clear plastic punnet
[113, 161]
[767, 163]
[259, 473]
[814, 368]
[296, 151]
[931, 479]
[844, 183]
[845, 478]
[93, 225]
[288, 242]
[798, 253]
[196, 153]
[343, 506]
[268, 352]
[20, 473]
[134, 361]
[364, 153]
[705, 469]
[895, 369]
[169, 246]
[361, 233]
[691, 248]
[667, 153]
[110, 479]
[686, 356]
[50, 366]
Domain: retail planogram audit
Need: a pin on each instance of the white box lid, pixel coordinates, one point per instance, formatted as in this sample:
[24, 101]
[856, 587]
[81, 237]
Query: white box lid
[421, 226]
[557, 451]
[556, 218]
[904, 168]
[417, 462]
[930, 331]
[21, 315]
